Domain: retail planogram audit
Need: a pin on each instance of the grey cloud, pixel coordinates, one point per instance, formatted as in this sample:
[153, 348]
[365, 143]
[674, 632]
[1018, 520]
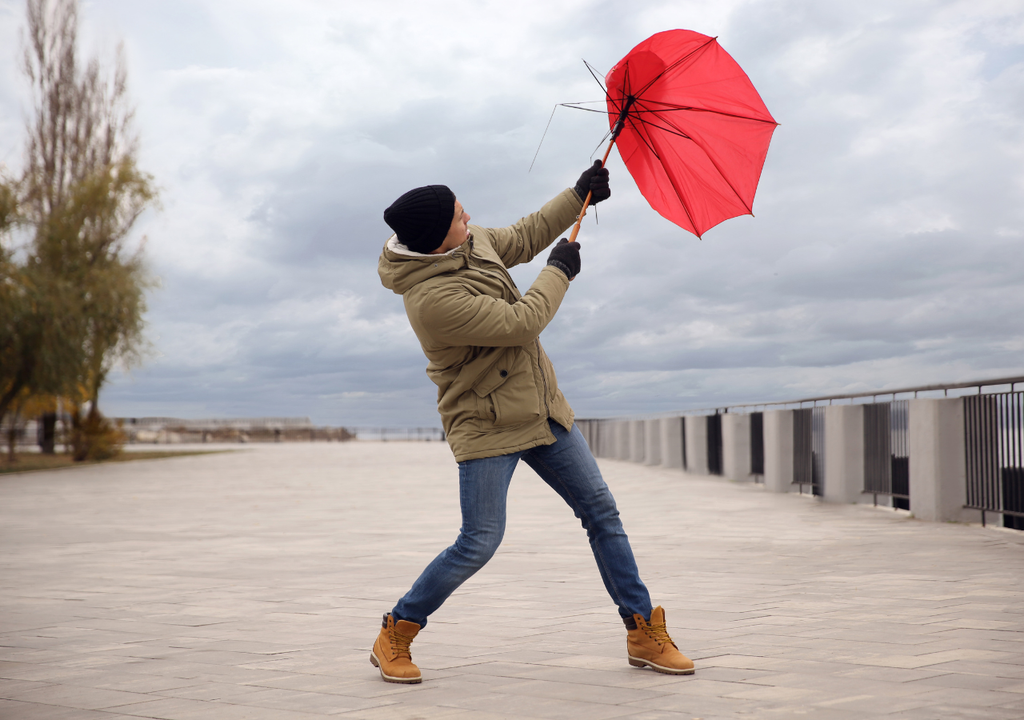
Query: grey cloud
[885, 248]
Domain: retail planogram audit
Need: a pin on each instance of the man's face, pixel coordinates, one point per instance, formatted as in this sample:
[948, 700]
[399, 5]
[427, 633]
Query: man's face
[458, 233]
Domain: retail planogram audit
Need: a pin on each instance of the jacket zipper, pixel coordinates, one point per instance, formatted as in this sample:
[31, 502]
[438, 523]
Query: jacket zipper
[543, 377]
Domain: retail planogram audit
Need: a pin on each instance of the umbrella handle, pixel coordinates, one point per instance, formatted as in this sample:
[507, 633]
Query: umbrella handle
[586, 202]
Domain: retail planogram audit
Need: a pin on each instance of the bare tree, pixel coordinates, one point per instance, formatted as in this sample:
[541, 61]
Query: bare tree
[82, 122]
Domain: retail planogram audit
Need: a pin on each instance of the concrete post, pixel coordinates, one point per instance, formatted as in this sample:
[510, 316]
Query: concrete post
[778, 450]
[672, 442]
[844, 453]
[606, 438]
[622, 440]
[592, 435]
[652, 442]
[595, 437]
[604, 443]
[601, 439]
[736, 446]
[697, 444]
[636, 441]
[938, 473]
[584, 427]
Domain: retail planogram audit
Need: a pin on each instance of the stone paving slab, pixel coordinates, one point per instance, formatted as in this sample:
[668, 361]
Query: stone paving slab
[251, 584]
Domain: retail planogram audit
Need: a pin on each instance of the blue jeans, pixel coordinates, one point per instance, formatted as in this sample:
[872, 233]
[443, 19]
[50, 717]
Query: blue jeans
[569, 468]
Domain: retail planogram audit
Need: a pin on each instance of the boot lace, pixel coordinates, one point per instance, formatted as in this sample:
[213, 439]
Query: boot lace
[659, 633]
[400, 644]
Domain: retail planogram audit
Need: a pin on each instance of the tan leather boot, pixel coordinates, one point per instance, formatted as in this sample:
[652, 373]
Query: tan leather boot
[391, 652]
[649, 645]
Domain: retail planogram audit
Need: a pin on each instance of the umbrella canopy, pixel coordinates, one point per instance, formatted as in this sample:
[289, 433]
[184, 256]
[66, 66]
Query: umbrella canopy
[690, 127]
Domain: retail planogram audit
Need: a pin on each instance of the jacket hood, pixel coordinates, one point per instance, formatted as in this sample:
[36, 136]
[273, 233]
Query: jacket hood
[401, 268]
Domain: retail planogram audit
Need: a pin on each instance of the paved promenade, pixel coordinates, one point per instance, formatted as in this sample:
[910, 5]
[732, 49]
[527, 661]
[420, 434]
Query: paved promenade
[251, 585]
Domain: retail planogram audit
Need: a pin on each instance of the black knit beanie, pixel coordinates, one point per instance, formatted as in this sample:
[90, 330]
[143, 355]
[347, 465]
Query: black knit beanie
[422, 217]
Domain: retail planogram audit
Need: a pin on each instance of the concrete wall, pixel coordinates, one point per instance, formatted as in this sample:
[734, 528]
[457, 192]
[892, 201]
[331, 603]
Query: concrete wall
[672, 442]
[697, 444]
[736, 446]
[938, 473]
[778, 450]
[936, 449]
[652, 442]
[844, 453]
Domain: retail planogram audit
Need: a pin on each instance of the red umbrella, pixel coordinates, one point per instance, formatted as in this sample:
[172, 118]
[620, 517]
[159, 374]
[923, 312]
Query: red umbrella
[690, 127]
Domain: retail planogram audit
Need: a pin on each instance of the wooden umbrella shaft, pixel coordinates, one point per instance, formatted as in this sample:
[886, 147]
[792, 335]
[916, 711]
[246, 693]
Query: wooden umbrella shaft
[590, 194]
[604, 162]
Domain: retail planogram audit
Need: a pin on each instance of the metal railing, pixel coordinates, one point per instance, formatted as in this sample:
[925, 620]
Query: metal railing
[914, 390]
[809, 448]
[714, 444]
[682, 431]
[817, 450]
[757, 444]
[899, 453]
[993, 440]
[803, 453]
[994, 445]
[886, 454]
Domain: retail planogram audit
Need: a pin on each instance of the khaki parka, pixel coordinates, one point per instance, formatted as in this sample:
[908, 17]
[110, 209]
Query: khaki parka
[496, 387]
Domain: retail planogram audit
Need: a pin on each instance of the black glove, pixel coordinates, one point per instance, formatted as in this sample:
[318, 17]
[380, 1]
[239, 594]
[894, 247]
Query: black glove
[566, 257]
[594, 180]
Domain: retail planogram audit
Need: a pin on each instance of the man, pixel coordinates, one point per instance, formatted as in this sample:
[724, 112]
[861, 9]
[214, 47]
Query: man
[499, 402]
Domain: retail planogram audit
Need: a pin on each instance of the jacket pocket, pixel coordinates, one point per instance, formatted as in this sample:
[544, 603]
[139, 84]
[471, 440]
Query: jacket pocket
[507, 391]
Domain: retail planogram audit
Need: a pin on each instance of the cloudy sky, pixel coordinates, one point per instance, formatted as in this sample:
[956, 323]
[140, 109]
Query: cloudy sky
[887, 248]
